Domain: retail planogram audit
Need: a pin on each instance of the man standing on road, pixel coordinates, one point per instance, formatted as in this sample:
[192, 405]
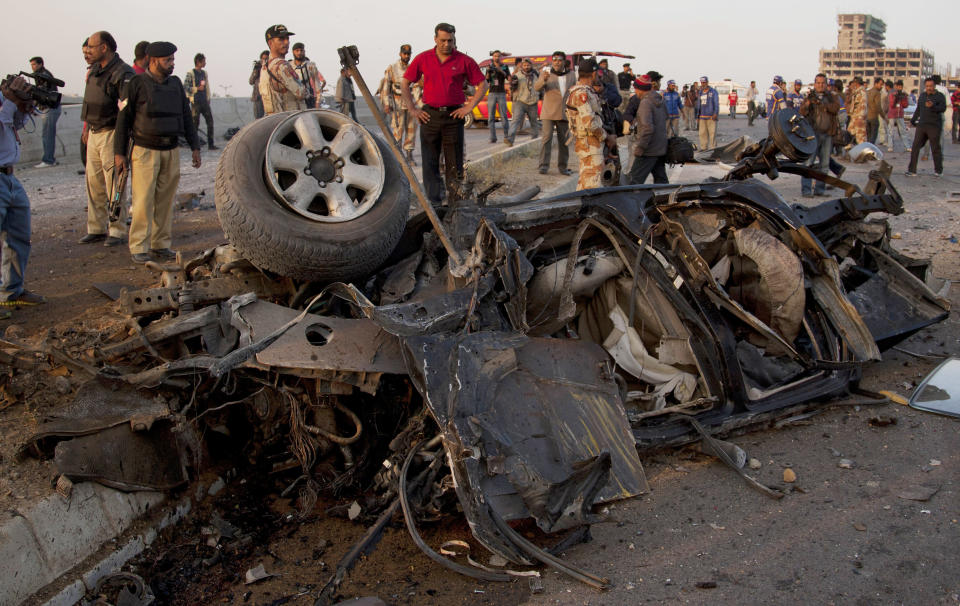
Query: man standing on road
[105, 93]
[732, 98]
[895, 126]
[584, 118]
[928, 120]
[309, 75]
[604, 74]
[254, 81]
[625, 82]
[197, 86]
[155, 116]
[690, 107]
[955, 104]
[402, 122]
[795, 98]
[708, 112]
[48, 121]
[524, 100]
[14, 204]
[280, 88]
[555, 82]
[874, 109]
[857, 111]
[345, 96]
[776, 99]
[497, 77]
[650, 142]
[820, 107]
[674, 105]
[444, 70]
[752, 94]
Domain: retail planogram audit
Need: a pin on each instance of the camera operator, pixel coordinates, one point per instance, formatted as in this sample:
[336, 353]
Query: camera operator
[820, 108]
[15, 105]
[498, 75]
[48, 121]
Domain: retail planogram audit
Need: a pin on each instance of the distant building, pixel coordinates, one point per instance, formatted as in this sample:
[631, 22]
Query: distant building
[860, 52]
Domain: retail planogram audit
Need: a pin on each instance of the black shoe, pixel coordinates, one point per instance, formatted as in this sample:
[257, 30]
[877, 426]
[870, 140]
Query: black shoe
[542, 170]
[212, 147]
[141, 257]
[91, 238]
[163, 254]
[113, 241]
[566, 171]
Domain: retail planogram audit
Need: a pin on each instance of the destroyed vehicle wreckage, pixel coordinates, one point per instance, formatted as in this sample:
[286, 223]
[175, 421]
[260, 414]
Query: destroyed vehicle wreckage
[577, 331]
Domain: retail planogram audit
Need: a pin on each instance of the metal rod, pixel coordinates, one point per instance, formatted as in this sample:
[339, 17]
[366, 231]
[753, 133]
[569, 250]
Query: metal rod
[346, 58]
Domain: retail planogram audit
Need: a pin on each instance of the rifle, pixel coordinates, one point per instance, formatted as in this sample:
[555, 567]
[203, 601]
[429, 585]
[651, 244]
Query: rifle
[115, 204]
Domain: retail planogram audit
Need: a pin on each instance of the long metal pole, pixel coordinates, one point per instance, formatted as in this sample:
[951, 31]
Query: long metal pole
[346, 58]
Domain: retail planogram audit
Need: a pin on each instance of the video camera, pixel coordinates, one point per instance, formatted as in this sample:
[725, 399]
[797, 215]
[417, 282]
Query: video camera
[46, 99]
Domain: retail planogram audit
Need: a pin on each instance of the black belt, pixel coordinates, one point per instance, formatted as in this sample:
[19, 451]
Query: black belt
[6, 170]
[445, 108]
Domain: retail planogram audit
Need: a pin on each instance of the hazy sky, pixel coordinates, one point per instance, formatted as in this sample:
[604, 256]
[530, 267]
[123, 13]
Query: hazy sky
[683, 40]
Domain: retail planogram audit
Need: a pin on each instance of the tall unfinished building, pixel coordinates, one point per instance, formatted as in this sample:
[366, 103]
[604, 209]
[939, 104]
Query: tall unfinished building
[860, 52]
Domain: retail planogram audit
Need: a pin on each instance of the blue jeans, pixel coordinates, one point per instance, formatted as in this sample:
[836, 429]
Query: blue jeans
[521, 110]
[49, 134]
[494, 100]
[820, 160]
[15, 224]
[896, 127]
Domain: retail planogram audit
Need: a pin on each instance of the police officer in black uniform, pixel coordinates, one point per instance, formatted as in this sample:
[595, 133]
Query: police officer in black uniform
[157, 113]
[105, 92]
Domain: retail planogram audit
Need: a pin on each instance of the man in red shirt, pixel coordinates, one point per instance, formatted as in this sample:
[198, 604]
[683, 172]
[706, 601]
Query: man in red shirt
[444, 70]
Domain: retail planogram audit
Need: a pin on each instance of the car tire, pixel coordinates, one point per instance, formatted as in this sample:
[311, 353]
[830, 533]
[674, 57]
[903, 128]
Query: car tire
[274, 238]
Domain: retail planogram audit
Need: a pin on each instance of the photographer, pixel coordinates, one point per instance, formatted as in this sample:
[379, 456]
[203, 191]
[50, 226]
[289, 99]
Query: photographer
[48, 121]
[820, 108]
[15, 105]
[498, 75]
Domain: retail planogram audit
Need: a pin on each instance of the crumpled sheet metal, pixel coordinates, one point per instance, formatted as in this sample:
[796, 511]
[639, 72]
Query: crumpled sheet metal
[862, 152]
[532, 426]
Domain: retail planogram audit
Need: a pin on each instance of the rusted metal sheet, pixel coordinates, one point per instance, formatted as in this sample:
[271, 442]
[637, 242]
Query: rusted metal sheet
[201, 292]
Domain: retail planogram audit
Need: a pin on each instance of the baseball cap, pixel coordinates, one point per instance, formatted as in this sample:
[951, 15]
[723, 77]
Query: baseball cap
[277, 31]
[298, 45]
[655, 75]
[777, 79]
[704, 79]
[405, 48]
[798, 81]
[669, 82]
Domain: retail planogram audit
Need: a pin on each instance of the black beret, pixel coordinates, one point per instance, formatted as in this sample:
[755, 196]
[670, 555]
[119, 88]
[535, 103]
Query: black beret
[161, 49]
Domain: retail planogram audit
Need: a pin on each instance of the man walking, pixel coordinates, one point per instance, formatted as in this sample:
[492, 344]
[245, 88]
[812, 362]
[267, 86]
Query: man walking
[752, 94]
[48, 121]
[584, 118]
[345, 96]
[15, 106]
[674, 105]
[708, 112]
[155, 116]
[280, 88]
[403, 124]
[874, 108]
[102, 97]
[555, 83]
[928, 120]
[895, 126]
[525, 99]
[650, 142]
[820, 107]
[309, 75]
[254, 81]
[776, 99]
[497, 77]
[444, 70]
[197, 86]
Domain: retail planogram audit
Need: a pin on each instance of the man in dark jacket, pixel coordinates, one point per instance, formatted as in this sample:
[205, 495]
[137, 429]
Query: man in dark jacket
[928, 120]
[821, 108]
[156, 115]
[650, 142]
[105, 91]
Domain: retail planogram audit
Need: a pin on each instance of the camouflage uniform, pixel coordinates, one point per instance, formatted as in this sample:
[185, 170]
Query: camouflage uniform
[586, 125]
[402, 124]
[857, 110]
[280, 88]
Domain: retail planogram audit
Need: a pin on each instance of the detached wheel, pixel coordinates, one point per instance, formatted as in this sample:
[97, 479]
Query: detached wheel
[311, 195]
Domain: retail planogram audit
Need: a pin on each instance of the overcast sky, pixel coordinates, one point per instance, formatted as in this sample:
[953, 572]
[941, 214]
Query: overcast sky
[682, 40]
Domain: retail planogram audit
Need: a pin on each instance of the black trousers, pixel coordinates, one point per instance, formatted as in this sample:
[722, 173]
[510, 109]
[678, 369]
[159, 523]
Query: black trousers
[873, 129]
[443, 133]
[924, 134]
[203, 109]
[644, 165]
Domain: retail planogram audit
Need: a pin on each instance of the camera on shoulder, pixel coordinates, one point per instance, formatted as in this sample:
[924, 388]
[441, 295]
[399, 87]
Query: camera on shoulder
[45, 99]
